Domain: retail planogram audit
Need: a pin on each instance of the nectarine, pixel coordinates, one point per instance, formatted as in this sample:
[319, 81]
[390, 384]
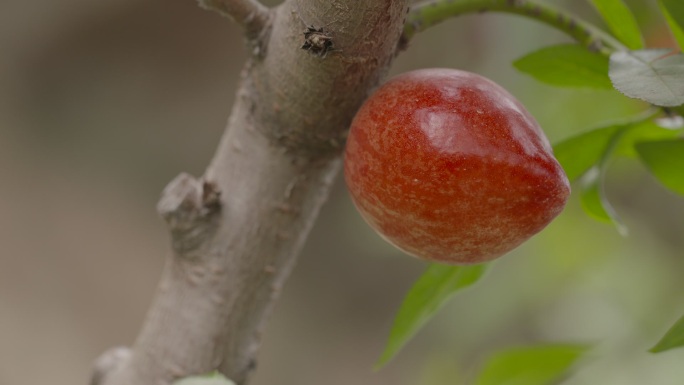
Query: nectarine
[450, 167]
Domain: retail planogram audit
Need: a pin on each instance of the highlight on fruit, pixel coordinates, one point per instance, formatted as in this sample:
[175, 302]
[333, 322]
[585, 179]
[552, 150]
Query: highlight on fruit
[449, 167]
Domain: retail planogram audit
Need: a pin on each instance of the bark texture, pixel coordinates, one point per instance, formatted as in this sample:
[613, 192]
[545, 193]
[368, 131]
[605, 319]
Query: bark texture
[236, 232]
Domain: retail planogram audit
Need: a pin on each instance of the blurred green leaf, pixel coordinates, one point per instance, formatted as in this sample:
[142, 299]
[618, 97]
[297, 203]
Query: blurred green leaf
[534, 365]
[586, 156]
[655, 76]
[568, 65]
[645, 131]
[214, 378]
[424, 299]
[621, 21]
[679, 110]
[593, 199]
[670, 8]
[592, 193]
[674, 338]
[676, 9]
[579, 153]
[665, 160]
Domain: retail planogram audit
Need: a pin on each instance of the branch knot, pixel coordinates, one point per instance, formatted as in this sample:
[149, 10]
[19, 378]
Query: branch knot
[190, 207]
[109, 362]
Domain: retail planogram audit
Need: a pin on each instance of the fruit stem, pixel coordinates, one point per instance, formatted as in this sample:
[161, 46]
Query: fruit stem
[432, 12]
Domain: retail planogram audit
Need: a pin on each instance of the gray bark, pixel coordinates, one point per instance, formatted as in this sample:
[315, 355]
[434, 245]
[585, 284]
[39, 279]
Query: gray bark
[236, 232]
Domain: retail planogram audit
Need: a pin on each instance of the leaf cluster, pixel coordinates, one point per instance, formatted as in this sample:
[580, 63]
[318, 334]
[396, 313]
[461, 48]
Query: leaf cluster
[653, 137]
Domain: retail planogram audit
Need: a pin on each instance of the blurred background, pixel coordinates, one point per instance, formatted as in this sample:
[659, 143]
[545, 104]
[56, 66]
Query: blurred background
[102, 103]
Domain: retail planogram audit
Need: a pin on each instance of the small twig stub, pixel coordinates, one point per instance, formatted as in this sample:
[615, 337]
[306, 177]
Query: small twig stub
[317, 41]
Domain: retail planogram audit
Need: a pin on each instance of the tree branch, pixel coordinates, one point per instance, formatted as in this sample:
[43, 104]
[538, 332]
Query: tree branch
[249, 14]
[108, 362]
[432, 12]
[236, 232]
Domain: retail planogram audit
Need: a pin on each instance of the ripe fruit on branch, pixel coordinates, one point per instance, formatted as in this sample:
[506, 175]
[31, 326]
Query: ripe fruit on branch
[450, 167]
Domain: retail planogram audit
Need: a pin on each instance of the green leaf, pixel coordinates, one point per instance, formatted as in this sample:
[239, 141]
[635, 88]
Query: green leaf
[655, 76]
[579, 153]
[676, 9]
[587, 156]
[621, 21]
[214, 378]
[424, 299]
[679, 110]
[674, 338]
[534, 365]
[592, 196]
[665, 160]
[594, 201]
[642, 132]
[670, 9]
[566, 65]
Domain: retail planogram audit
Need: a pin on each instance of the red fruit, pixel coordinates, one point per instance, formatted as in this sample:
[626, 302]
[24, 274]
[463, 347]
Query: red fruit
[450, 167]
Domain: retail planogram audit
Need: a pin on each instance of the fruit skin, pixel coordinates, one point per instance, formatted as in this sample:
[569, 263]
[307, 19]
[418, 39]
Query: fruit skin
[450, 167]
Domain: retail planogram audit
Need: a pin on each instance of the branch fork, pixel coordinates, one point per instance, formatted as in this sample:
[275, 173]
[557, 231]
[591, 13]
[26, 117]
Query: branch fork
[251, 15]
